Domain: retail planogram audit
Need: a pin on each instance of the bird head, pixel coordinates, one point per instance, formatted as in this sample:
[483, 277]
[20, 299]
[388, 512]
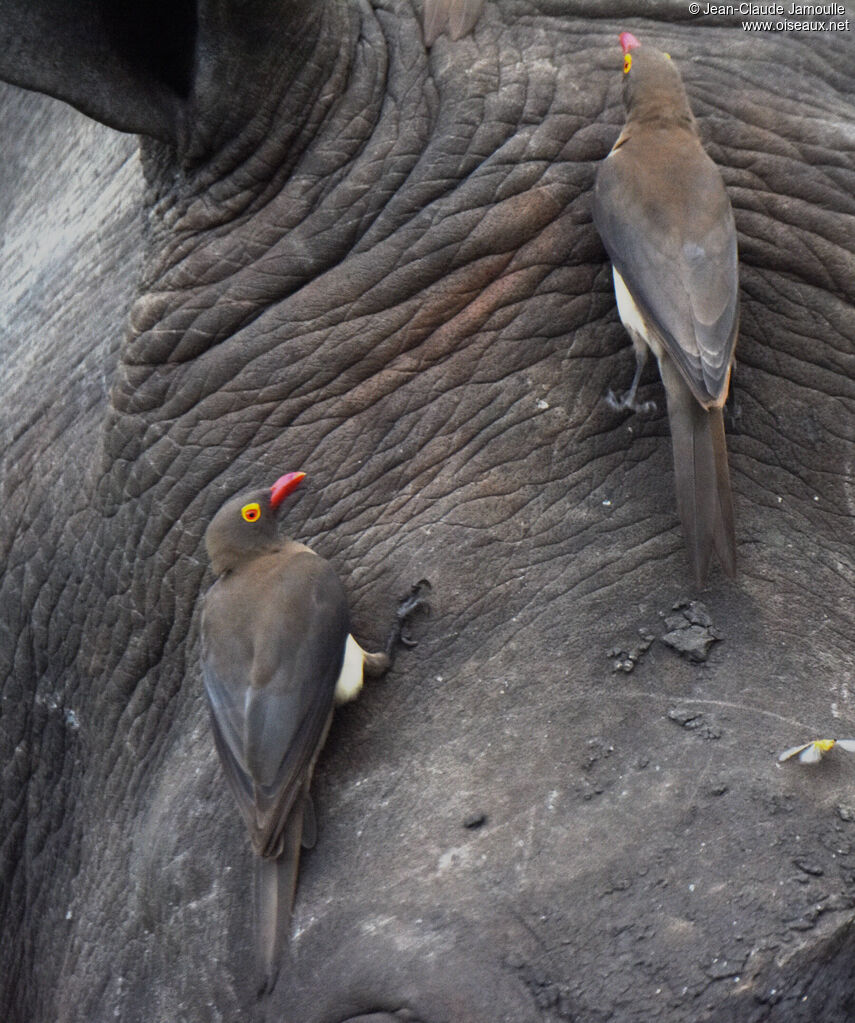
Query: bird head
[246, 524]
[628, 42]
[652, 86]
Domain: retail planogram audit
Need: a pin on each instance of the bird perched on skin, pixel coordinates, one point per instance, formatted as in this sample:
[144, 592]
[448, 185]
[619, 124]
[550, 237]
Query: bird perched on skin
[666, 222]
[277, 655]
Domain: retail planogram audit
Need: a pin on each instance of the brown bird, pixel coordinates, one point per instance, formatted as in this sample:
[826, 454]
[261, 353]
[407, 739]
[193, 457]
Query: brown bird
[277, 655]
[666, 222]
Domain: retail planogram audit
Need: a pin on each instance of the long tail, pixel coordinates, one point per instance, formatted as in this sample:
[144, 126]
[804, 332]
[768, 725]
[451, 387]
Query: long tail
[704, 499]
[276, 884]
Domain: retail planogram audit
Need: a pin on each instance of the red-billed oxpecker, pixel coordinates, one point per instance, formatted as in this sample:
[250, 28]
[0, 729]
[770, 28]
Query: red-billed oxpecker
[277, 655]
[666, 222]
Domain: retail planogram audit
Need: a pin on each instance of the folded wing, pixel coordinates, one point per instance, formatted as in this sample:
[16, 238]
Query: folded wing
[273, 645]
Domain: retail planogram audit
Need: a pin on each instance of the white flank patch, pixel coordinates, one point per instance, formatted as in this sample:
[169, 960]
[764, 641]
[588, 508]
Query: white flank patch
[350, 680]
[630, 315]
[626, 307]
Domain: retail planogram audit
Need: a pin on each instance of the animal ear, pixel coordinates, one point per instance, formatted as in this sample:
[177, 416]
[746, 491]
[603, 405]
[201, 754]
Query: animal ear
[169, 69]
[126, 64]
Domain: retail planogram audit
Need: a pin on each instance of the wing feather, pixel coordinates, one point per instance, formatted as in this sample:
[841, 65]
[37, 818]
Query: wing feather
[676, 252]
[272, 648]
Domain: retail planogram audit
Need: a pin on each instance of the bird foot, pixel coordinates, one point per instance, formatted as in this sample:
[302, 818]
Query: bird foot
[630, 402]
[410, 603]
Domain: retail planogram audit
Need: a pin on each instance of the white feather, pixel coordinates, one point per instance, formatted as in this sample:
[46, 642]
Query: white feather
[630, 314]
[811, 754]
[350, 680]
[792, 751]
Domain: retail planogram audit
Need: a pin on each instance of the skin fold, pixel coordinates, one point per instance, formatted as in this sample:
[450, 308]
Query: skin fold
[376, 261]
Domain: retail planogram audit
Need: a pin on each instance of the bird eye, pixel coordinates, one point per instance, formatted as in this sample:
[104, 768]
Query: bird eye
[627, 63]
[251, 512]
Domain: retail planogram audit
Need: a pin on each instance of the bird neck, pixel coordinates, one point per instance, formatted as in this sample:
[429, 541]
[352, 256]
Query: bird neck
[657, 97]
[227, 559]
[661, 112]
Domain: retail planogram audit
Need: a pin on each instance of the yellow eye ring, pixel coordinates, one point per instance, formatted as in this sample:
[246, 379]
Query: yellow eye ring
[251, 512]
[627, 63]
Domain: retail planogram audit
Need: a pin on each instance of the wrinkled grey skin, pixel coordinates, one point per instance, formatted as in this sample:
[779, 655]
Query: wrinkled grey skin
[387, 276]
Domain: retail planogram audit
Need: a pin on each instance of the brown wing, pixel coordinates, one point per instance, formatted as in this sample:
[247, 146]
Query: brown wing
[273, 639]
[670, 233]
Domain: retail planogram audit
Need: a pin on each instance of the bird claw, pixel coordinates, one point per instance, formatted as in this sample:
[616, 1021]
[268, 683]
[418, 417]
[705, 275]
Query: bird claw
[410, 603]
[414, 600]
[628, 402]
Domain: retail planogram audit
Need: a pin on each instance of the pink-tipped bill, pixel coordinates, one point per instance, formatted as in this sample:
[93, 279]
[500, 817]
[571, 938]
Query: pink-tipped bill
[628, 42]
[284, 486]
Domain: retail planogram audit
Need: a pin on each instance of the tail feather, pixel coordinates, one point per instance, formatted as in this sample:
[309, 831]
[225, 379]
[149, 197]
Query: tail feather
[464, 14]
[702, 478]
[435, 17]
[457, 17]
[725, 531]
[276, 885]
